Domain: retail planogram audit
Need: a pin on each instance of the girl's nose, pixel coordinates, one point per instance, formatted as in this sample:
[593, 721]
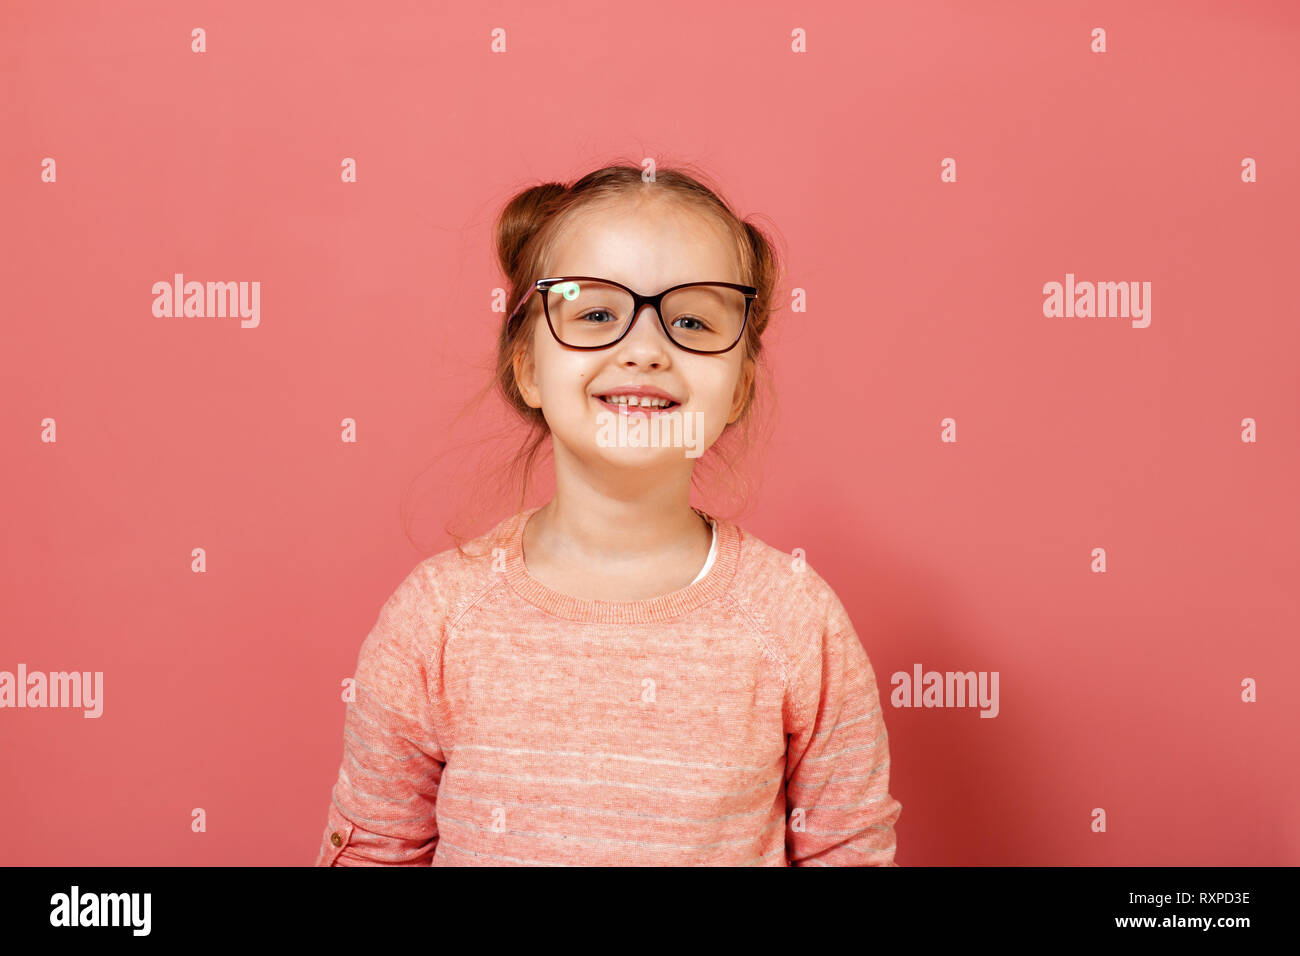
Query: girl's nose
[646, 338]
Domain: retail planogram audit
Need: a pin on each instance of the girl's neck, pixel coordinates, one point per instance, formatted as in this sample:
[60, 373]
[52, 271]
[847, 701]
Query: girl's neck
[636, 549]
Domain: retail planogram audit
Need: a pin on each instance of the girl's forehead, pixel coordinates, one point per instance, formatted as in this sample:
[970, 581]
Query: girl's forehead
[627, 234]
[634, 212]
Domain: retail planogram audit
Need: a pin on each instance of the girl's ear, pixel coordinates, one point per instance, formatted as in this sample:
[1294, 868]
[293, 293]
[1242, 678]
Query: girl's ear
[743, 386]
[524, 381]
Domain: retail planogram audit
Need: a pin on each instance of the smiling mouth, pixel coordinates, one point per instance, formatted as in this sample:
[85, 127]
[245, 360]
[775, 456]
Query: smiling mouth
[638, 409]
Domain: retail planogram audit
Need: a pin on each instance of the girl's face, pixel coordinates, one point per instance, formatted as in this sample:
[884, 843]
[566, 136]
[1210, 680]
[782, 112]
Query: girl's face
[647, 245]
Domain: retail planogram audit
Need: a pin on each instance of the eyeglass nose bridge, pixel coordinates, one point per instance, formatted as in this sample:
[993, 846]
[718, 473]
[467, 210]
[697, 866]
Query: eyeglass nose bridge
[639, 302]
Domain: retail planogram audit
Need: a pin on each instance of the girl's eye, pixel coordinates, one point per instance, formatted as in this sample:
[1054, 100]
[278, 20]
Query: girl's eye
[587, 315]
[701, 326]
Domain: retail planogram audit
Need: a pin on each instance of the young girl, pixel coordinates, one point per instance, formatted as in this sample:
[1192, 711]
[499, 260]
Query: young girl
[616, 677]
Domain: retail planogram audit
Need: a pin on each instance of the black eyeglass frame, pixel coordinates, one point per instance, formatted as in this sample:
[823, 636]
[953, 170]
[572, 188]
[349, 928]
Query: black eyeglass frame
[638, 303]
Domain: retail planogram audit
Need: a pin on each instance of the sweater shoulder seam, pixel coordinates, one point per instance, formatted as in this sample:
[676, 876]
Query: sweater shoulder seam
[473, 601]
[762, 635]
[456, 612]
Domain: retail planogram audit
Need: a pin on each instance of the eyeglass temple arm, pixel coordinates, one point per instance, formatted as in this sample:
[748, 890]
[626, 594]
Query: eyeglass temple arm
[531, 288]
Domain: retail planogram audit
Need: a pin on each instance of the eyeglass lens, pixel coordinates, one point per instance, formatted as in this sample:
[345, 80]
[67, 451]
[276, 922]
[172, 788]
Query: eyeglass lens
[592, 314]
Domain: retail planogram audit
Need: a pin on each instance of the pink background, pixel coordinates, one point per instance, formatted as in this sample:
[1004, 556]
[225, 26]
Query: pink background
[222, 690]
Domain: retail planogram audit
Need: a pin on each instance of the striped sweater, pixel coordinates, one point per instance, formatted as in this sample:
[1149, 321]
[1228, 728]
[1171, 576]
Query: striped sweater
[497, 722]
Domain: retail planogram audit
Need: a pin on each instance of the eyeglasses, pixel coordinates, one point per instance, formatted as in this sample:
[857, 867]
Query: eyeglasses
[584, 312]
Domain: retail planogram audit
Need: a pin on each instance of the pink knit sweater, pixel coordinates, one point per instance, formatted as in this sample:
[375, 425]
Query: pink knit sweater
[735, 721]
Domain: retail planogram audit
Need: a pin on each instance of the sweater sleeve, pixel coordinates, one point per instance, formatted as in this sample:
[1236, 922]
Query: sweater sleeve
[839, 811]
[381, 811]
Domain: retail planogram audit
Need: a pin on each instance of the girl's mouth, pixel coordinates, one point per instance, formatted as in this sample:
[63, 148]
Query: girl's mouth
[638, 409]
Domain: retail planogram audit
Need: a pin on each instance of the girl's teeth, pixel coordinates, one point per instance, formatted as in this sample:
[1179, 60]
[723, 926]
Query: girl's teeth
[633, 400]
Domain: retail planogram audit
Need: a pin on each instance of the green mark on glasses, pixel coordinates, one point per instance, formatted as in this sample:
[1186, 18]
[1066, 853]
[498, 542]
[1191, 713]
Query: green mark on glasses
[567, 289]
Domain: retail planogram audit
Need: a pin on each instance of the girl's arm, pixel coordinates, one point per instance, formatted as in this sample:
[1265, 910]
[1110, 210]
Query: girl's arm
[382, 808]
[839, 809]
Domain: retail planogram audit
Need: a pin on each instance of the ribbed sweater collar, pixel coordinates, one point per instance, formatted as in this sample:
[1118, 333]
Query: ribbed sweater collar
[663, 608]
